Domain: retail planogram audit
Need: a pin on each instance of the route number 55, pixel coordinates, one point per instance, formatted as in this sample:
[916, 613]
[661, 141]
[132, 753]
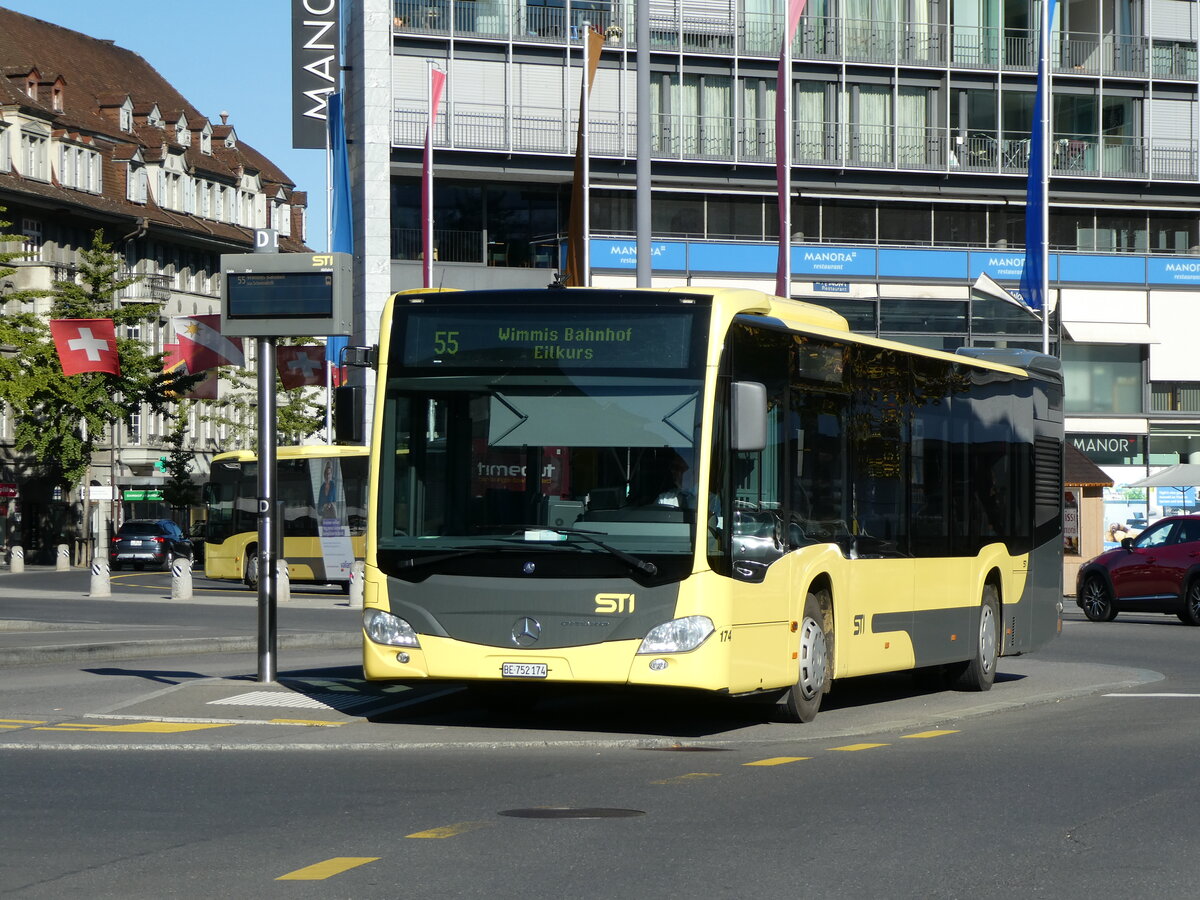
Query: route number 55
[445, 342]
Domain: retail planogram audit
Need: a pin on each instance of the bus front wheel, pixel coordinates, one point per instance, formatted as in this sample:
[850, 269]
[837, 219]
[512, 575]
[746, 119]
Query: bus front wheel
[978, 673]
[803, 699]
[251, 573]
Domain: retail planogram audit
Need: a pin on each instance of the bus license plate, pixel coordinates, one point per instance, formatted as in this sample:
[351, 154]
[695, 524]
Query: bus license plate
[523, 670]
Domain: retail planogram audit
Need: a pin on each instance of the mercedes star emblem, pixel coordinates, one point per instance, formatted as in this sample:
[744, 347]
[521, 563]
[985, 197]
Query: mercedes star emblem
[526, 631]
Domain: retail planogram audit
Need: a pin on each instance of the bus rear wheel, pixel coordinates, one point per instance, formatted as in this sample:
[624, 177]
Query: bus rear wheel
[803, 699]
[250, 577]
[978, 673]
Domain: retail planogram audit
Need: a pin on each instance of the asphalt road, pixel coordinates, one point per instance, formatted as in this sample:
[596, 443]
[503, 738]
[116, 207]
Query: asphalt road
[1073, 777]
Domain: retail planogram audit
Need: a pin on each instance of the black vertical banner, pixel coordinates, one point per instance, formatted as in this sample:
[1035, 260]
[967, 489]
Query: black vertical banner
[316, 56]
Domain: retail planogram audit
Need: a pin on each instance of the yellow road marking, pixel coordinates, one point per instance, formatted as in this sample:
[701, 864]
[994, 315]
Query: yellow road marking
[680, 779]
[304, 722]
[10, 727]
[777, 761]
[849, 748]
[449, 830]
[930, 734]
[134, 727]
[24, 721]
[327, 869]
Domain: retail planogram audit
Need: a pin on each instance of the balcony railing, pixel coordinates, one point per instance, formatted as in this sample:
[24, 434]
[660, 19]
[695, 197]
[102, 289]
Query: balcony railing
[832, 38]
[477, 126]
[146, 289]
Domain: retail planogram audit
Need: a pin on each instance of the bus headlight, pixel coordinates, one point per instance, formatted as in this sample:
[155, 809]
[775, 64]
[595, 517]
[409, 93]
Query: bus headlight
[678, 635]
[384, 628]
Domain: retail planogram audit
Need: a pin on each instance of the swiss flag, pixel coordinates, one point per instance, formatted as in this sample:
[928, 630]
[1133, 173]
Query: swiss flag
[86, 345]
[299, 366]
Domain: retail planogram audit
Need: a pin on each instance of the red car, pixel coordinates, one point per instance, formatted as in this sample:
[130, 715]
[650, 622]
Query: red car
[1157, 571]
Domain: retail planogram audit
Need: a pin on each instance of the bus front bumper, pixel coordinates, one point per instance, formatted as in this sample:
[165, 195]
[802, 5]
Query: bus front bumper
[613, 662]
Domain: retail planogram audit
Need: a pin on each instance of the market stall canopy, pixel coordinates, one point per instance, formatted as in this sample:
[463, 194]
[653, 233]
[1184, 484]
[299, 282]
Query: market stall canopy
[1179, 475]
[1082, 472]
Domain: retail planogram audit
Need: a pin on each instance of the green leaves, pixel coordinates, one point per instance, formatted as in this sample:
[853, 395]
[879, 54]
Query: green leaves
[59, 419]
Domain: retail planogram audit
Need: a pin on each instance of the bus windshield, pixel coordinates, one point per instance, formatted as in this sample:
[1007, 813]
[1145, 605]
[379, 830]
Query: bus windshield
[542, 443]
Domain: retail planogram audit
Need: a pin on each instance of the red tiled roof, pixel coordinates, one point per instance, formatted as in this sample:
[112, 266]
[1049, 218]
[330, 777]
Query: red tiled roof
[99, 76]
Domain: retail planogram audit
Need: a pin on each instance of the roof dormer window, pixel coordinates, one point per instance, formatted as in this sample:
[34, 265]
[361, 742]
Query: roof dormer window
[31, 87]
[126, 119]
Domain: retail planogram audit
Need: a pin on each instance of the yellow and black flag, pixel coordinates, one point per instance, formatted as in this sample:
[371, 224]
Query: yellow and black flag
[577, 238]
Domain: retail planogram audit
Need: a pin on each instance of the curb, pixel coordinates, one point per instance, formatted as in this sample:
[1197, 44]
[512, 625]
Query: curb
[122, 650]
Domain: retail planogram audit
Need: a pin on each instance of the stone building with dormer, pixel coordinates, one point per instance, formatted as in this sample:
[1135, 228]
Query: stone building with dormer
[93, 137]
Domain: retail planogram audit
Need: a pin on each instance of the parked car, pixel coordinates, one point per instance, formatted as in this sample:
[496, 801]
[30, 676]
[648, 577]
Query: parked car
[1157, 571]
[143, 542]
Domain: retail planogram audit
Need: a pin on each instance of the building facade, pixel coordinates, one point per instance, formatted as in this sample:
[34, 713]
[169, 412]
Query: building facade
[911, 132]
[93, 138]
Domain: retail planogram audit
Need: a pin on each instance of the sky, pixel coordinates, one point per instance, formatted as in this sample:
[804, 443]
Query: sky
[232, 55]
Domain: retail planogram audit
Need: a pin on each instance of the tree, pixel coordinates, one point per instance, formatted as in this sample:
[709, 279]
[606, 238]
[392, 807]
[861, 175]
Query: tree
[11, 322]
[61, 419]
[298, 413]
[180, 492]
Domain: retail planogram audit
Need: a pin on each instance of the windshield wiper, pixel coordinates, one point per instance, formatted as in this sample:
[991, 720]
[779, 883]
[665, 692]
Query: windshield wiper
[629, 559]
[462, 551]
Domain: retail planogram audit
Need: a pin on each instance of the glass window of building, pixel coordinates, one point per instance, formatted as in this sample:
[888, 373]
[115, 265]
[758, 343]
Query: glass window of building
[996, 317]
[959, 226]
[906, 223]
[678, 216]
[1173, 232]
[1125, 234]
[916, 316]
[1170, 444]
[1103, 378]
[1072, 229]
[861, 315]
[1006, 227]
[614, 212]
[735, 218]
[845, 221]
[806, 220]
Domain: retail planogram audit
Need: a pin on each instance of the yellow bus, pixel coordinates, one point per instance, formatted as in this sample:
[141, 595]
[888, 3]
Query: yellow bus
[709, 489]
[324, 521]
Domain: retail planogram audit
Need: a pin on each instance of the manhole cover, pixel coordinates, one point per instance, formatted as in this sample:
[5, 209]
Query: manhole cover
[570, 812]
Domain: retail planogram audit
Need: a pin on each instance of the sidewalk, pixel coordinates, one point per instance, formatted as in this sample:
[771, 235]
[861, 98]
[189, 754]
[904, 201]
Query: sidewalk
[42, 623]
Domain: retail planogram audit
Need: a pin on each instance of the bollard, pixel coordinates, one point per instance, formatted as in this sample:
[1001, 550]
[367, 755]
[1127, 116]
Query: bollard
[283, 582]
[16, 559]
[181, 578]
[62, 562]
[100, 586]
[357, 570]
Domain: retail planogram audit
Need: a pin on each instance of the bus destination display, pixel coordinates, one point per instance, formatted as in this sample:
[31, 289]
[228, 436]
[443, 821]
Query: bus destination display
[540, 339]
[287, 295]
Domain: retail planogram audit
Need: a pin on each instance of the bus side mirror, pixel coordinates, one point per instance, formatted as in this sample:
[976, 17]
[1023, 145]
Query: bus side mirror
[748, 401]
[348, 409]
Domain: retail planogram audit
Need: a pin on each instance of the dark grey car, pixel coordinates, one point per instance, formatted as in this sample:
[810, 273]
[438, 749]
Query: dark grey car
[148, 542]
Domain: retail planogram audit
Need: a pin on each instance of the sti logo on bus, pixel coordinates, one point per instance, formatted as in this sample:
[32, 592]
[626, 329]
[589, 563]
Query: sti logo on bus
[615, 603]
[322, 259]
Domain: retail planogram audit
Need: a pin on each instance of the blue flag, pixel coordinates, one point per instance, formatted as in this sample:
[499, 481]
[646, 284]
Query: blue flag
[341, 222]
[1036, 192]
